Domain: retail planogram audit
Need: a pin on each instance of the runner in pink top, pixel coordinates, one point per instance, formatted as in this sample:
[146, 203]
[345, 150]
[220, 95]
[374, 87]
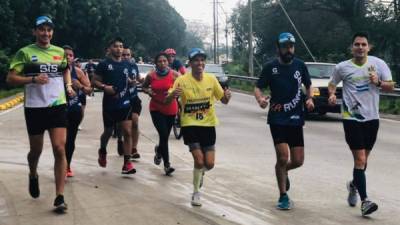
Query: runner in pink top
[156, 85]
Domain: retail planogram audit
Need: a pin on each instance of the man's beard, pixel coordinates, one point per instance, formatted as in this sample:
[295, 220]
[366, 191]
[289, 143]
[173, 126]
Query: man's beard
[286, 58]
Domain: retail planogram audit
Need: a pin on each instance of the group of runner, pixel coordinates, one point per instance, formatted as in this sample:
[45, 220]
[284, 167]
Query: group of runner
[54, 84]
[363, 76]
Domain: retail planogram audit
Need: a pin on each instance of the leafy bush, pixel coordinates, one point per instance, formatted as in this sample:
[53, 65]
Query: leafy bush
[4, 63]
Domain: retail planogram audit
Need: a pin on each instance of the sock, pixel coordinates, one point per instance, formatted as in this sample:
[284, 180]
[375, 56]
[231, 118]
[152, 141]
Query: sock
[360, 182]
[197, 174]
[127, 158]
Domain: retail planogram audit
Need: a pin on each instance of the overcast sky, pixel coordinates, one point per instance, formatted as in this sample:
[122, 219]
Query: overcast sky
[202, 10]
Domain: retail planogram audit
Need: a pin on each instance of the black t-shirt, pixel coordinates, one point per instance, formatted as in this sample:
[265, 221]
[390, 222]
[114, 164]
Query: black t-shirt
[115, 74]
[287, 97]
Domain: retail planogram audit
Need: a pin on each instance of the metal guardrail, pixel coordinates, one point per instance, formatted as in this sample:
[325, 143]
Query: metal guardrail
[395, 93]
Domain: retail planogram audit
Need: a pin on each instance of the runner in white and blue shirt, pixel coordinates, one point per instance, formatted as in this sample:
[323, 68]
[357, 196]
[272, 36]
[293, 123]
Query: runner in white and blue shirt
[363, 76]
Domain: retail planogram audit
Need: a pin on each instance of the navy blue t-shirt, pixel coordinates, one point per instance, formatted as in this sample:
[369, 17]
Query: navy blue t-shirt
[176, 65]
[134, 75]
[287, 97]
[115, 74]
[90, 68]
[74, 103]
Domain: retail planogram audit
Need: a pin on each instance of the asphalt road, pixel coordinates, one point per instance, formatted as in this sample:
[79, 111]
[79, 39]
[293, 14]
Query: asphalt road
[240, 190]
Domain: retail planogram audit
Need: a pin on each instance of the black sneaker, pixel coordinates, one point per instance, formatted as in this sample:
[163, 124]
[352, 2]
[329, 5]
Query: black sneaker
[157, 157]
[59, 204]
[135, 154]
[34, 186]
[368, 207]
[169, 170]
[120, 147]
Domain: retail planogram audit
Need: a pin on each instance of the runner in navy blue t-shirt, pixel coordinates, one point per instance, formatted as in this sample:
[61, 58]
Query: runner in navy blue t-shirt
[136, 103]
[80, 84]
[112, 76]
[285, 77]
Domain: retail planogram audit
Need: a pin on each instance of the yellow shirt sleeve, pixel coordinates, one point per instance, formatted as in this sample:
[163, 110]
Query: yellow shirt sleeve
[218, 91]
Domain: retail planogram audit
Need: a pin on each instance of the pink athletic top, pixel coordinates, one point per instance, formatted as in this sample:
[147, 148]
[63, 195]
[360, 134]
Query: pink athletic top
[160, 87]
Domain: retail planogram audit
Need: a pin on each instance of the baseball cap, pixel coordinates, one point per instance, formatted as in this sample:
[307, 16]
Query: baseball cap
[195, 52]
[41, 20]
[286, 37]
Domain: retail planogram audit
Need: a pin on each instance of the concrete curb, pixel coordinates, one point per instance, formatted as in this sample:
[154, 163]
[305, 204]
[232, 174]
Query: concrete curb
[14, 101]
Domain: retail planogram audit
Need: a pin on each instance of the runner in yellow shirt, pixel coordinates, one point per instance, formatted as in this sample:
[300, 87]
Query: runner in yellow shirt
[198, 92]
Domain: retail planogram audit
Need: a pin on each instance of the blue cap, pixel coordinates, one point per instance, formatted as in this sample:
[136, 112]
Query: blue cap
[195, 52]
[286, 37]
[41, 20]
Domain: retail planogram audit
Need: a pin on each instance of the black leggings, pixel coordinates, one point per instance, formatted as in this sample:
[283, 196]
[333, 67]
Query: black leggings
[163, 124]
[74, 119]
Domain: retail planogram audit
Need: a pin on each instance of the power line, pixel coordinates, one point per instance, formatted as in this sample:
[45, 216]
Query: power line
[294, 26]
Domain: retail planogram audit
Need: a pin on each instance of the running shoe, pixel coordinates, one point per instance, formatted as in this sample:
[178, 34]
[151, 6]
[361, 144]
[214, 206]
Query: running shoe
[34, 190]
[169, 170]
[128, 168]
[157, 157]
[102, 158]
[59, 204]
[284, 203]
[368, 207]
[135, 154]
[196, 199]
[70, 173]
[120, 147]
[352, 197]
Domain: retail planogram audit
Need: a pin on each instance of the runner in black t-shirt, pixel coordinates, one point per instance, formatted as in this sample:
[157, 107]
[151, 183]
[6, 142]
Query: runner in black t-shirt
[285, 77]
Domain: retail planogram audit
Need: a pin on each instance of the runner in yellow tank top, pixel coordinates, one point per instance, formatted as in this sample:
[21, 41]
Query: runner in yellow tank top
[199, 91]
[198, 99]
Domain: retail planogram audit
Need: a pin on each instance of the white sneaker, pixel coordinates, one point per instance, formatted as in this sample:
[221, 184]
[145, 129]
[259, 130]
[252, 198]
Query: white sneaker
[352, 197]
[196, 199]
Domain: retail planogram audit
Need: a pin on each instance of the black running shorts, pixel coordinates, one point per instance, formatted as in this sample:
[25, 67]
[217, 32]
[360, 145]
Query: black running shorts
[82, 99]
[291, 135]
[40, 119]
[197, 137]
[361, 135]
[136, 105]
[115, 116]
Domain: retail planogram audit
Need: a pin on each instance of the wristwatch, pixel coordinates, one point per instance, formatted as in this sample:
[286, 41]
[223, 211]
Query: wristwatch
[33, 80]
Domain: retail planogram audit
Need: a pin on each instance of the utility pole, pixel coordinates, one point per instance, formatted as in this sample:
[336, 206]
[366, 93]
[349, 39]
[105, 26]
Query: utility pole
[217, 28]
[215, 32]
[251, 65]
[226, 40]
